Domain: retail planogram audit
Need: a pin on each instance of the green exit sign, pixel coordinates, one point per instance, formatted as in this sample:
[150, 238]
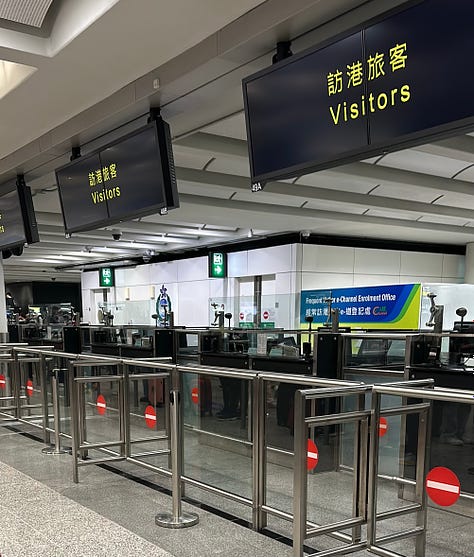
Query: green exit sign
[217, 264]
[106, 276]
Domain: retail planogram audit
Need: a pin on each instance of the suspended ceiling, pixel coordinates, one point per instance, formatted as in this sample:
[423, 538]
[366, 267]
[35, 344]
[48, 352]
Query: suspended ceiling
[100, 71]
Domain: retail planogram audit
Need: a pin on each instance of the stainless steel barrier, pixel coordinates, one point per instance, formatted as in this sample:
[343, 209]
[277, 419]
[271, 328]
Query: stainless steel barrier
[252, 442]
[419, 506]
[359, 511]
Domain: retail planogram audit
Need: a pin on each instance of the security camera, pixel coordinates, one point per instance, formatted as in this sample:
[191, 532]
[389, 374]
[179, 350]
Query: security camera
[116, 235]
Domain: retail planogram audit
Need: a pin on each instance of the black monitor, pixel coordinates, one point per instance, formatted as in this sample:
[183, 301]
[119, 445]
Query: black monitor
[129, 178]
[17, 218]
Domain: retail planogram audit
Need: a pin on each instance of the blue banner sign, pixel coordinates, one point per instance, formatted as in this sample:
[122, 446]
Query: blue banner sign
[389, 307]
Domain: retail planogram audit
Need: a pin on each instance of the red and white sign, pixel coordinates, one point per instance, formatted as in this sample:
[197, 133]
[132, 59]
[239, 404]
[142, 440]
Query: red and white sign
[101, 405]
[3, 382]
[313, 455]
[150, 416]
[265, 314]
[443, 486]
[383, 426]
[195, 395]
[29, 388]
[241, 316]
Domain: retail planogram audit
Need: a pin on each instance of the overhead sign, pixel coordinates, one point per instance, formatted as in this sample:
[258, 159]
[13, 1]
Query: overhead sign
[150, 416]
[376, 89]
[101, 405]
[106, 277]
[217, 264]
[17, 217]
[313, 455]
[385, 307]
[131, 177]
[443, 486]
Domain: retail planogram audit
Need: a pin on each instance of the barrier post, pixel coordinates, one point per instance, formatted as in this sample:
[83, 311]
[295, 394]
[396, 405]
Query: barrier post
[299, 475]
[45, 402]
[57, 422]
[16, 383]
[177, 518]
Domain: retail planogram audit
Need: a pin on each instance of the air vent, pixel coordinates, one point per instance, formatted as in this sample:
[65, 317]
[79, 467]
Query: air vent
[26, 12]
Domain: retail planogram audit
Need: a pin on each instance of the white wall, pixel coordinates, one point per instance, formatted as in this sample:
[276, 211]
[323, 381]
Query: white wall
[292, 268]
[334, 267]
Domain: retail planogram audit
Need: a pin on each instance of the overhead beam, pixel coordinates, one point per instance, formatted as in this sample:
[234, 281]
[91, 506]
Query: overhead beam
[241, 183]
[275, 211]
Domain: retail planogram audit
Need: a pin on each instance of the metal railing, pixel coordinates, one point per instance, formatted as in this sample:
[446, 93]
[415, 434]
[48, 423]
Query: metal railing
[313, 410]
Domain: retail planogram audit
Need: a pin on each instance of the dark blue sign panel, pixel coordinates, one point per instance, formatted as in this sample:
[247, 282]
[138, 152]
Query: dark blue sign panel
[397, 82]
[392, 307]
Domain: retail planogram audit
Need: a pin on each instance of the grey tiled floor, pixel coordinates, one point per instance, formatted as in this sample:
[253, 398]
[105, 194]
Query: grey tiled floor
[44, 513]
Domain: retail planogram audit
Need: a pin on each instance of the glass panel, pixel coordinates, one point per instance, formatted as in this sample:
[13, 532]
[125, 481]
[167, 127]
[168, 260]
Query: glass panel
[101, 422]
[217, 448]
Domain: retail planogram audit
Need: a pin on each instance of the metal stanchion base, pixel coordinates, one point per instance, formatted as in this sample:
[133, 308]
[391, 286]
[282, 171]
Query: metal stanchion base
[166, 520]
[52, 450]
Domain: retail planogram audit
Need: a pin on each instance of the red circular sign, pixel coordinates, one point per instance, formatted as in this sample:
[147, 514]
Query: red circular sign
[266, 315]
[241, 315]
[383, 426]
[443, 486]
[150, 416]
[195, 395]
[313, 455]
[29, 388]
[101, 405]
[3, 382]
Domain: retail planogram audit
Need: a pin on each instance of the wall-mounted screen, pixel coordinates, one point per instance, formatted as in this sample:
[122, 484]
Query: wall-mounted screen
[128, 178]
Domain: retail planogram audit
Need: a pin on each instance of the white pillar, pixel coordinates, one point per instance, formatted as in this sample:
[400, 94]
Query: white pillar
[469, 264]
[3, 304]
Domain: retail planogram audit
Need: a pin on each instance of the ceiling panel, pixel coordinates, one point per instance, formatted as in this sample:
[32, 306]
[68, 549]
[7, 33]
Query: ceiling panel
[189, 158]
[342, 207]
[416, 161]
[444, 220]
[457, 200]
[234, 126]
[335, 181]
[404, 215]
[467, 174]
[399, 191]
[26, 12]
[231, 165]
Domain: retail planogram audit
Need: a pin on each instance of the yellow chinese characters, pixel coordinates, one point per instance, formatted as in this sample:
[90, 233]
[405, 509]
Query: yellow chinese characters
[100, 177]
[103, 174]
[375, 68]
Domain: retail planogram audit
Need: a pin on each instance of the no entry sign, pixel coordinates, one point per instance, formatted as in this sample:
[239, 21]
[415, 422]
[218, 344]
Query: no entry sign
[150, 416]
[241, 316]
[266, 315]
[383, 426]
[313, 455]
[101, 405]
[195, 395]
[29, 388]
[443, 486]
[3, 382]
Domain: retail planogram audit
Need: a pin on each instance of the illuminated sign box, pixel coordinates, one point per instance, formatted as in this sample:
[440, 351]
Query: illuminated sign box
[106, 277]
[401, 81]
[217, 265]
[128, 178]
